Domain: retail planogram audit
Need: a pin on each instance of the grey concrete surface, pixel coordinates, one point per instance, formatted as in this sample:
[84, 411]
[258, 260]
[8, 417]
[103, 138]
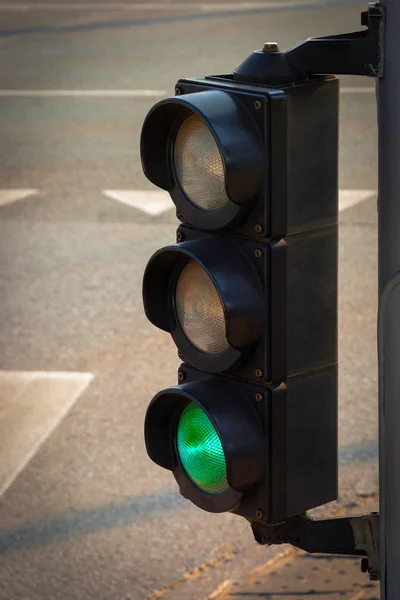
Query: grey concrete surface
[91, 517]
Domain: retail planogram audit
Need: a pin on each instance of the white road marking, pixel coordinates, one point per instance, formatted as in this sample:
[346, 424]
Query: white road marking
[349, 198]
[82, 93]
[32, 404]
[358, 90]
[10, 196]
[150, 202]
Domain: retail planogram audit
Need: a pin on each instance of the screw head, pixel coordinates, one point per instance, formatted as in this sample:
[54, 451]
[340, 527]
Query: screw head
[259, 228]
[258, 105]
[259, 513]
[259, 372]
[270, 47]
[181, 375]
[364, 565]
[364, 18]
[259, 397]
[258, 253]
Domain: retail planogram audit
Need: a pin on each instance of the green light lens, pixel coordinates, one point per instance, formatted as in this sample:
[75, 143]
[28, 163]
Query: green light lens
[200, 450]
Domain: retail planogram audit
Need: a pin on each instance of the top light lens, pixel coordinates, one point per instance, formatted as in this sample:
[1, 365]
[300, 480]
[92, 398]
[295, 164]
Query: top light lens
[198, 165]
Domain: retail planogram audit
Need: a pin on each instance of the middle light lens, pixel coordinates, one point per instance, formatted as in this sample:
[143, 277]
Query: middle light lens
[199, 309]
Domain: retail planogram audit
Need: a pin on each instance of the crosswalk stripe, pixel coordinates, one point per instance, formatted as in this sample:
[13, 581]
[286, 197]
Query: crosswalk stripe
[32, 404]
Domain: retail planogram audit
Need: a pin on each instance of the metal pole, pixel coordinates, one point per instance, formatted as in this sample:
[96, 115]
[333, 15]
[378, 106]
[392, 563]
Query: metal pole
[389, 305]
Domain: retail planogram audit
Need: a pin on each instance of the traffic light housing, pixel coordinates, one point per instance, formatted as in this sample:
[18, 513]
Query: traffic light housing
[279, 442]
[248, 293]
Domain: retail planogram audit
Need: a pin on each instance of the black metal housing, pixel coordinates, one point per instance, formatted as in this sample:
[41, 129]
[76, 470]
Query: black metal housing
[298, 132]
[239, 286]
[299, 449]
[272, 254]
[281, 306]
[348, 536]
[238, 426]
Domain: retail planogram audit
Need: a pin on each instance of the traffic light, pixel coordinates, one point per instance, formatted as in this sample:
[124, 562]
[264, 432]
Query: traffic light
[248, 293]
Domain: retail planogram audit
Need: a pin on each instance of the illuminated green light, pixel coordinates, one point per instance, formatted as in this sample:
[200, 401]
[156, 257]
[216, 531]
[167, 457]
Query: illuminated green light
[200, 451]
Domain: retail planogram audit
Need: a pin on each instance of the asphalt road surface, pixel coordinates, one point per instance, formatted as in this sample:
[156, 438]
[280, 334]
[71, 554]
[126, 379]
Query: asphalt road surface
[84, 514]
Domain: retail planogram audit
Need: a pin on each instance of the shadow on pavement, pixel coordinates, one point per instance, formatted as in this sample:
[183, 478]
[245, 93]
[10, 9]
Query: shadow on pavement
[126, 512]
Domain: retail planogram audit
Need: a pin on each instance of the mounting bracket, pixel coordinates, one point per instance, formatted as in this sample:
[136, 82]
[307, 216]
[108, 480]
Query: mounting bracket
[354, 536]
[356, 53]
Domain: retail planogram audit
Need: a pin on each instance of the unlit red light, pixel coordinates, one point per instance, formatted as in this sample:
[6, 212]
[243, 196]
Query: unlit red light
[198, 165]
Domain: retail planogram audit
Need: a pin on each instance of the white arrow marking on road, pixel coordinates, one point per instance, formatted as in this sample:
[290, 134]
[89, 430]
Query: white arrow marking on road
[32, 404]
[155, 203]
[10, 196]
[150, 202]
[349, 198]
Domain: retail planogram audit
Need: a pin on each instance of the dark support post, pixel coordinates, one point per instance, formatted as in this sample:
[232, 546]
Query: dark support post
[389, 305]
